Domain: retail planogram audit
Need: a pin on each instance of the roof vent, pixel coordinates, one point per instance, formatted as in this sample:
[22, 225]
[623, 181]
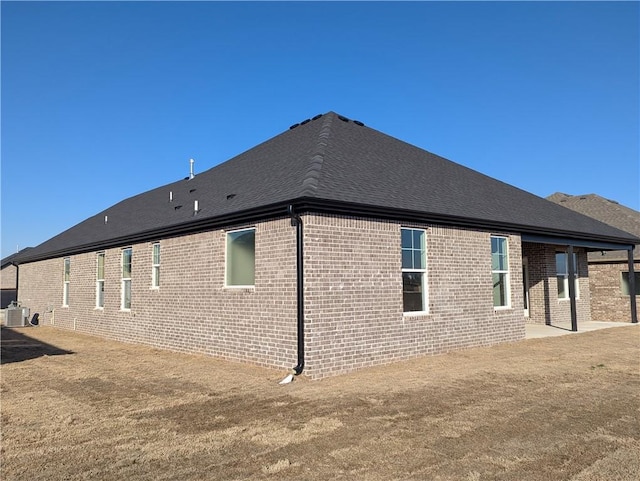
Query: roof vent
[344, 119]
[177, 207]
[305, 121]
[191, 191]
[170, 196]
[106, 219]
[293, 126]
[230, 196]
[191, 174]
[316, 117]
[357, 122]
[196, 207]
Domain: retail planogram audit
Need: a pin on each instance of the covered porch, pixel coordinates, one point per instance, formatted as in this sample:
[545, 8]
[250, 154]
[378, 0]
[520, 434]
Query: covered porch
[556, 282]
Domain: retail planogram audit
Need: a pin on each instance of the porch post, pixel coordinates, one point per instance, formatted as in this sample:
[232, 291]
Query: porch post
[572, 289]
[632, 287]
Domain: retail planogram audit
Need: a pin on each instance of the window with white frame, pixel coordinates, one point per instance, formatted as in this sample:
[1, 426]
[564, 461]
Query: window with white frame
[500, 272]
[241, 258]
[624, 283]
[100, 280]
[127, 255]
[562, 274]
[414, 268]
[155, 265]
[67, 280]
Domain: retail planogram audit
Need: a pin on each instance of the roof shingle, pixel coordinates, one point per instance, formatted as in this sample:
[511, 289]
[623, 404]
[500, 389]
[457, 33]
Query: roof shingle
[333, 160]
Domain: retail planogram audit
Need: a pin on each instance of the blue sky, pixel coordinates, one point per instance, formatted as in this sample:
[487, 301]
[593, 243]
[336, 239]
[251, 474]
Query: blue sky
[105, 100]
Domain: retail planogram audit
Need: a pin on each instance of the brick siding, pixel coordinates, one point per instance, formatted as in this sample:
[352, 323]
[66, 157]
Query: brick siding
[544, 305]
[192, 311]
[607, 301]
[353, 305]
[353, 295]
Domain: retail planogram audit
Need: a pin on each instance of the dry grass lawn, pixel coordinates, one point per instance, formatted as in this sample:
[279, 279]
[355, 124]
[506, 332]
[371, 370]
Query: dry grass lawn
[76, 407]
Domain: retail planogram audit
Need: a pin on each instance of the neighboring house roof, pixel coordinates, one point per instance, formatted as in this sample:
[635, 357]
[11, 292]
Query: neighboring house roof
[607, 211]
[332, 164]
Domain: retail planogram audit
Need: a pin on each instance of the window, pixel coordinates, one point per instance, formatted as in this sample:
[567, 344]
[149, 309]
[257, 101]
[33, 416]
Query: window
[155, 266]
[241, 257]
[100, 280]
[500, 271]
[562, 273]
[624, 284]
[67, 278]
[414, 264]
[125, 302]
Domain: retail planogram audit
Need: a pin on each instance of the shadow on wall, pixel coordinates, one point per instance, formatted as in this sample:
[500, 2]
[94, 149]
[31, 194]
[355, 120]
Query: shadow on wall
[15, 346]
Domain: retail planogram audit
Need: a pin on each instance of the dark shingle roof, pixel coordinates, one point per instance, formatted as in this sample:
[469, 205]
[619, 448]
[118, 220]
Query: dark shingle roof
[334, 162]
[13, 257]
[607, 211]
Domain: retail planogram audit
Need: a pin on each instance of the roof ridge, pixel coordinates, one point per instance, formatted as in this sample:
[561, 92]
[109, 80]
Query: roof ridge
[312, 175]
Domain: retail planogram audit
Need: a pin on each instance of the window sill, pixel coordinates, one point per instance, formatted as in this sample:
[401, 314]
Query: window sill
[251, 288]
[415, 313]
[98, 308]
[502, 308]
[154, 288]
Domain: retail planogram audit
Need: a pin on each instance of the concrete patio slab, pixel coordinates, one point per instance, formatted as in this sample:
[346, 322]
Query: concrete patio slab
[561, 328]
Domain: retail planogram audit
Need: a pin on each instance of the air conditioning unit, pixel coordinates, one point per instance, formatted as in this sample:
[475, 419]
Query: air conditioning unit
[16, 316]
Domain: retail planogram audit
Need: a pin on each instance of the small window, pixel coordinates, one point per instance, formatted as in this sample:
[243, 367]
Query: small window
[67, 280]
[624, 283]
[414, 268]
[500, 271]
[155, 266]
[241, 257]
[100, 280]
[127, 255]
[562, 274]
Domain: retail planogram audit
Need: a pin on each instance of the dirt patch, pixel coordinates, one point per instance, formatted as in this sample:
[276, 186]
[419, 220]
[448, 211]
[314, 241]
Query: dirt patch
[562, 408]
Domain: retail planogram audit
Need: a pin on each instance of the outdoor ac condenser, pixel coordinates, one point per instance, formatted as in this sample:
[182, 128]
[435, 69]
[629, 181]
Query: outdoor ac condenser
[16, 316]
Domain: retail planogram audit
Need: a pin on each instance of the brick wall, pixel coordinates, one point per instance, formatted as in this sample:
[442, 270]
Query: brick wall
[192, 311]
[353, 304]
[8, 277]
[353, 295]
[544, 305]
[607, 301]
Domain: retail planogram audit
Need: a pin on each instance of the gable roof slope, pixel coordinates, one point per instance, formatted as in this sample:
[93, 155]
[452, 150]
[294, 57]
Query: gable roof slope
[335, 163]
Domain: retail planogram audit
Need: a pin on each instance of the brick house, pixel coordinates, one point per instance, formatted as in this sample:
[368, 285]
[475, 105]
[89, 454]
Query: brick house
[329, 247]
[9, 279]
[608, 270]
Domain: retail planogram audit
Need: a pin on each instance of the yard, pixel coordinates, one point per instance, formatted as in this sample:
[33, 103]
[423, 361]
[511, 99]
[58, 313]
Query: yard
[76, 407]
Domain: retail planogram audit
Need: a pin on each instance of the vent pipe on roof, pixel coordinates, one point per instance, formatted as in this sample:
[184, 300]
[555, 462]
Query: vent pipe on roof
[191, 174]
[196, 207]
[170, 196]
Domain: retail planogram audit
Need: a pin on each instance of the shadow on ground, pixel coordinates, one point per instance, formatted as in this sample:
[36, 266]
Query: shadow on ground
[17, 346]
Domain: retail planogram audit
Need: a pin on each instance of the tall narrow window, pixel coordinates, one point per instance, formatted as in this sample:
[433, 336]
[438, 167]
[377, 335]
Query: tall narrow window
[562, 274]
[100, 280]
[624, 283]
[500, 271]
[155, 265]
[67, 279]
[414, 265]
[241, 257]
[126, 278]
